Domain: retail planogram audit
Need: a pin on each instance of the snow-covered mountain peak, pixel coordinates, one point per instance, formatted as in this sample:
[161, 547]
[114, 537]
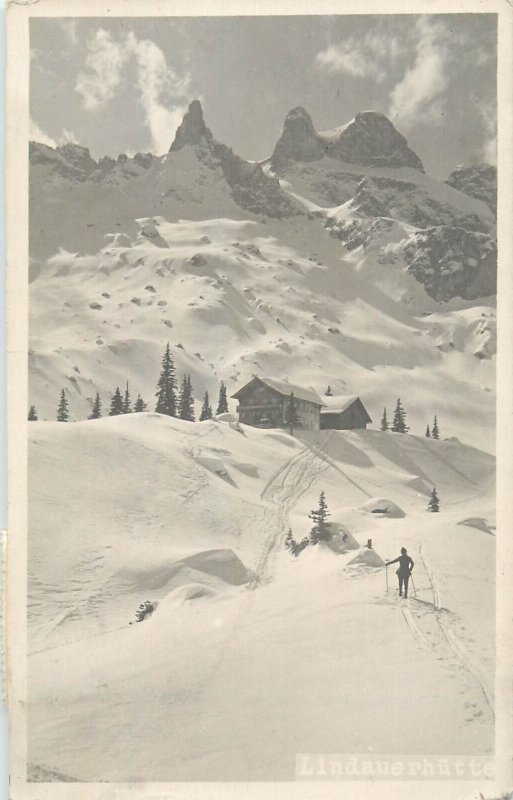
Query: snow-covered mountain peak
[193, 129]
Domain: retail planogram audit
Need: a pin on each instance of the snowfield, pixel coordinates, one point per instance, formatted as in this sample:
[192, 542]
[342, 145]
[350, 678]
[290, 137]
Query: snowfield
[238, 298]
[251, 655]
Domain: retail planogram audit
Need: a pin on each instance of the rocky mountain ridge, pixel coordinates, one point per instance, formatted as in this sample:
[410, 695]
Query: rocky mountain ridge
[349, 179]
[369, 139]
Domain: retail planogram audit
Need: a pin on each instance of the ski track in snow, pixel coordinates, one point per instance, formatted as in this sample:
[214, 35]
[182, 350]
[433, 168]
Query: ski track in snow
[443, 636]
[316, 450]
[287, 484]
[454, 642]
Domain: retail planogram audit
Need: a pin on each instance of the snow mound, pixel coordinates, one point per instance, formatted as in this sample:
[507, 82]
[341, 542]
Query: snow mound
[191, 591]
[341, 540]
[383, 508]
[226, 417]
[367, 558]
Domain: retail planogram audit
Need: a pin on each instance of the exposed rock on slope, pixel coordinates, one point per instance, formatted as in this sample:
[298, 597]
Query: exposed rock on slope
[369, 139]
[476, 180]
[400, 199]
[449, 262]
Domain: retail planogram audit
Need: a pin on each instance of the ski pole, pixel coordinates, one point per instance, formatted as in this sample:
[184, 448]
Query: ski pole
[413, 584]
[386, 575]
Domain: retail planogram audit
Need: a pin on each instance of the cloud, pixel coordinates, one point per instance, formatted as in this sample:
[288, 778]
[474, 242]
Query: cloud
[365, 56]
[420, 91]
[68, 137]
[162, 93]
[36, 134]
[103, 70]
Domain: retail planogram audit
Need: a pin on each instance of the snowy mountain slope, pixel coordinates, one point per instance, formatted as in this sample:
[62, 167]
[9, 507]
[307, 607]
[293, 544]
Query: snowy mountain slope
[216, 289]
[363, 176]
[197, 681]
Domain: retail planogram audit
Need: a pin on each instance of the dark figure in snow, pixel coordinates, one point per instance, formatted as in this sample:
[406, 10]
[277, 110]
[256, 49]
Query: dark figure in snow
[406, 565]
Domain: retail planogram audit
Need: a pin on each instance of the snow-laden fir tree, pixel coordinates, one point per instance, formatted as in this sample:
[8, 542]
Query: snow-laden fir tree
[97, 408]
[295, 547]
[127, 406]
[206, 409]
[222, 403]
[384, 421]
[427, 434]
[32, 414]
[435, 431]
[186, 400]
[63, 409]
[434, 501]
[166, 387]
[116, 404]
[291, 417]
[140, 405]
[399, 421]
[320, 531]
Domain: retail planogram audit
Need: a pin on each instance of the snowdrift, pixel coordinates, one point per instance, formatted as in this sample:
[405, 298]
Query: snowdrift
[367, 558]
[383, 508]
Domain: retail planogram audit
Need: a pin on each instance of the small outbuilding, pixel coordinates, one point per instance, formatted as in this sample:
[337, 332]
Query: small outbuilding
[343, 413]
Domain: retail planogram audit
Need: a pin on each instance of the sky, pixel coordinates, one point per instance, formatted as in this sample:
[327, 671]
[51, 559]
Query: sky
[122, 85]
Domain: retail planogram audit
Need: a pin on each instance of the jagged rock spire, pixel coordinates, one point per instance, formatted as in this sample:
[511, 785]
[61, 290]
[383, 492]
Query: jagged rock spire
[193, 129]
[299, 141]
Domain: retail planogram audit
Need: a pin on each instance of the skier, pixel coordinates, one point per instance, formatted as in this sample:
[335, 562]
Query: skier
[406, 565]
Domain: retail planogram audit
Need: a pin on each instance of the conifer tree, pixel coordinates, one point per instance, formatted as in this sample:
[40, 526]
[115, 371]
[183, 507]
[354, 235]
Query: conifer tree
[32, 414]
[222, 403]
[291, 417]
[63, 409]
[140, 405]
[434, 501]
[384, 421]
[206, 410]
[435, 430]
[116, 404]
[126, 401]
[295, 547]
[166, 387]
[427, 434]
[97, 408]
[399, 421]
[319, 516]
[186, 400]
[290, 542]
